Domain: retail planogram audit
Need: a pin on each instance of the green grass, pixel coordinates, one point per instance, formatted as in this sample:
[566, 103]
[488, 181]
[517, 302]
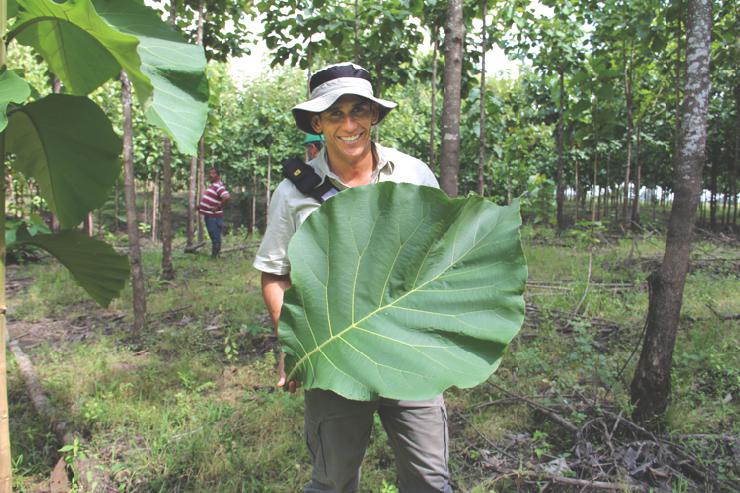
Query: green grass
[182, 408]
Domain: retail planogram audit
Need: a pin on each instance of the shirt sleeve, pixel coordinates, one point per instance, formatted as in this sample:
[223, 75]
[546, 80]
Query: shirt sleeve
[272, 256]
[223, 193]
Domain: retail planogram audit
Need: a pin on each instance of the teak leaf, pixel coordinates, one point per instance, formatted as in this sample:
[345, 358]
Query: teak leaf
[67, 144]
[13, 89]
[95, 265]
[400, 292]
[87, 43]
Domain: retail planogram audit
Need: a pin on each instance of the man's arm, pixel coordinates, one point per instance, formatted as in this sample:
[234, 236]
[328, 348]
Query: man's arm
[273, 291]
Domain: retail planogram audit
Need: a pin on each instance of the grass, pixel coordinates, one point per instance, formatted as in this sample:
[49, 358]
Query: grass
[182, 408]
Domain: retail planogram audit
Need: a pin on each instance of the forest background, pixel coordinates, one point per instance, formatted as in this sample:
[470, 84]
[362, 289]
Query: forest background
[586, 133]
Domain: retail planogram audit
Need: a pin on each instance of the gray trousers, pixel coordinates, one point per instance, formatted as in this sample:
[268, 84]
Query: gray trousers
[338, 432]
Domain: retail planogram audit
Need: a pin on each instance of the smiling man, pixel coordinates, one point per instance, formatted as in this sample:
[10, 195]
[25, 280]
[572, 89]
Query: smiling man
[343, 109]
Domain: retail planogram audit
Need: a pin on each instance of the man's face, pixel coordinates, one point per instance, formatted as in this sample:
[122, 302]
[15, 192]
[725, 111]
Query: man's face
[212, 175]
[346, 126]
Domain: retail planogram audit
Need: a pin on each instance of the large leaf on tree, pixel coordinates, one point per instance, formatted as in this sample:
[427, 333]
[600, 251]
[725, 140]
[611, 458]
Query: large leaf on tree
[67, 144]
[13, 89]
[401, 292]
[87, 43]
[95, 265]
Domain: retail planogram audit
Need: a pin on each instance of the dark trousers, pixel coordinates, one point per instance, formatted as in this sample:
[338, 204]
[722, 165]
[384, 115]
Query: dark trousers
[214, 225]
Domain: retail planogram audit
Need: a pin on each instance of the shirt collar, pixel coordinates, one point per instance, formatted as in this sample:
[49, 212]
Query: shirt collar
[385, 166]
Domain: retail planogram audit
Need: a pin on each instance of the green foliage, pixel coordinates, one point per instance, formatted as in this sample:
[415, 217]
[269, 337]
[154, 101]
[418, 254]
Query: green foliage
[88, 43]
[397, 299]
[73, 174]
[13, 89]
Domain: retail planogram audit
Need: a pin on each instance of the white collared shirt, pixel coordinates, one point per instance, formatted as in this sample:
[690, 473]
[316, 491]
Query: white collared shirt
[289, 207]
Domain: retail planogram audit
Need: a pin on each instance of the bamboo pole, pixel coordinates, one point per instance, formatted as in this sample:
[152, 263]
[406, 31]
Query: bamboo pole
[6, 483]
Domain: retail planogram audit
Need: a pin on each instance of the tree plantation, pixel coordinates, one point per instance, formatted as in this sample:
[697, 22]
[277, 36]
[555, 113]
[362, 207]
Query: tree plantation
[570, 288]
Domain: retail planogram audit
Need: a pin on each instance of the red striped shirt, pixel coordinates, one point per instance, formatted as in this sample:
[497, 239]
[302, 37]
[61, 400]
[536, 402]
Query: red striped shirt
[212, 199]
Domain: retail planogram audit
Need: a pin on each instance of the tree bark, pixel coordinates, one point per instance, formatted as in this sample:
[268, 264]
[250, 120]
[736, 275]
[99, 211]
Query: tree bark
[137, 270]
[450, 158]
[736, 160]
[268, 184]
[482, 97]
[253, 219]
[638, 178]
[560, 186]
[168, 270]
[713, 195]
[628, 104]
[192, 186]
[6, 482]
[651, 384]
[201, 182]
[433, 123]
[155, 204]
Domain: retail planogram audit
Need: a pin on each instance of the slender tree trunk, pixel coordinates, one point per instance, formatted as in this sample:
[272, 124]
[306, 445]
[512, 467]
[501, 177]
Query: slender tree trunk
[268, 184]
[482, 143]
[137, 269]
[433, 124]
[192, 186]
[628, 164]
[6, 482]
[253, 222]
[168, 270]
[713, 195]
[356, 44]
[201, 181]
[560, 185]
[651, 385]
[736, 160]
[117, 208]
[90, 224]
[577, 194]
[638, 179]
[155, 204]
[450, 158]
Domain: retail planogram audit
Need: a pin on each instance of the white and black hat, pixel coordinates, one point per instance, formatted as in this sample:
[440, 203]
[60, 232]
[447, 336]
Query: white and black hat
[329, 84]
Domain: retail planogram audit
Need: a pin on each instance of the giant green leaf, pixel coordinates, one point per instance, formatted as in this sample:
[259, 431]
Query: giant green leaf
[401, 292]
[87, 43]
[13, 89]
[67, 145]
[95, 265]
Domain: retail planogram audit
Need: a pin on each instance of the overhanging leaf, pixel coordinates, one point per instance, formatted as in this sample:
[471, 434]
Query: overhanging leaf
[87, 43]
[13, 89]
[95, 265]
[401, 292]
[67, 145]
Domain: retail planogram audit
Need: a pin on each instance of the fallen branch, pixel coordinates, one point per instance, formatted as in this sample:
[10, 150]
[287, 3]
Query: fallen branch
[237, 248]
[543, 409]
[591, 485]
[90, 473]
[720, 316]
[195, 248]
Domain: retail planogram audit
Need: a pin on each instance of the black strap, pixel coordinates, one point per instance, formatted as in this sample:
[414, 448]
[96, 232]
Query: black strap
[307, 181]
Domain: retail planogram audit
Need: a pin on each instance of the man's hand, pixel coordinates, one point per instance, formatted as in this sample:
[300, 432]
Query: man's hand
[273, 290]
[293, 384]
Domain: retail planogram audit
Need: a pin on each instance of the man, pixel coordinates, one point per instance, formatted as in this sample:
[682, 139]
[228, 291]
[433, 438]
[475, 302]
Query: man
[211, 206]
[343, 109]
[313, 143]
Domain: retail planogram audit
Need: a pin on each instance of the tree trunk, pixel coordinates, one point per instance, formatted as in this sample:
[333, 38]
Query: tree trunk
[168, 270]
[6, 482]
[137, 270]
[482, 97]
[638, 179]
[628, 164]
[560, 190]
[736, 160]
[90, 224]
[651, 385]
[201, 182]
[450, 158]
[192, 185]
[577, 195]
[713, 195]
[433, 124]
[253, 222]
[267, 185]
[155, 204]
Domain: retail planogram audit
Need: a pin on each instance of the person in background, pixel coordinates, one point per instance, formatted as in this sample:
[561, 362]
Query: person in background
[313, 144]
[212, 207]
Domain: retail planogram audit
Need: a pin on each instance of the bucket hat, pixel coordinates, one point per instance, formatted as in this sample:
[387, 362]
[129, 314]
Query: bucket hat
[332, 82]
[309, 138]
